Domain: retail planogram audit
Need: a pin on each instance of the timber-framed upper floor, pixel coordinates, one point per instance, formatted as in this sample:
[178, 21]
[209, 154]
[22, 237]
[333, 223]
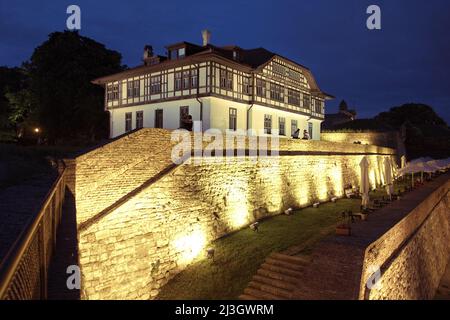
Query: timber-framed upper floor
[255, 76]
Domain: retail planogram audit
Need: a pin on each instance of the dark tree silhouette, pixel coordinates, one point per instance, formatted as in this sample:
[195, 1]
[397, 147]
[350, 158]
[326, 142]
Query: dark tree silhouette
[12, 80]
[60, 95]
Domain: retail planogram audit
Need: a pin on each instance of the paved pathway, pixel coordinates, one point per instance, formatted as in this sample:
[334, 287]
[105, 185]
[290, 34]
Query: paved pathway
[66, 253]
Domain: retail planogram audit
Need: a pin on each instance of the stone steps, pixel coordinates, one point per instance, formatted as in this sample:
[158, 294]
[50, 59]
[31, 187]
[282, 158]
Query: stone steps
[276, 278]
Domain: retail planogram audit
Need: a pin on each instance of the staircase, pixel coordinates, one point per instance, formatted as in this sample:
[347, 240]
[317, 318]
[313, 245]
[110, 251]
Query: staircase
[276, 279]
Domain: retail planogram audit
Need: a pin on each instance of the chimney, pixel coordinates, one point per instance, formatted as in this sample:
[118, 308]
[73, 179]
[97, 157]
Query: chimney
[206, 35]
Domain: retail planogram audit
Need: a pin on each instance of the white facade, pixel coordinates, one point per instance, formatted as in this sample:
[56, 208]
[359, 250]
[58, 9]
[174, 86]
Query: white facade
[261, 97]
[216, 115]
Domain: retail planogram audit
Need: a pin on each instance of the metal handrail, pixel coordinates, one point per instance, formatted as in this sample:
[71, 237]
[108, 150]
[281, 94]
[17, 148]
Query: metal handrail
[12, 259]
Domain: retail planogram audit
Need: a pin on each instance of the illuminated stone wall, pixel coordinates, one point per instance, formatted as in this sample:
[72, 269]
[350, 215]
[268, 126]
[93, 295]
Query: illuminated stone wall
[414, 253]
[386, 139]
[131, 251]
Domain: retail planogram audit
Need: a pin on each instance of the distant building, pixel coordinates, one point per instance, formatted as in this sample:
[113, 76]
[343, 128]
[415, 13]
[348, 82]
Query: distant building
[343, 116]
[227, 88]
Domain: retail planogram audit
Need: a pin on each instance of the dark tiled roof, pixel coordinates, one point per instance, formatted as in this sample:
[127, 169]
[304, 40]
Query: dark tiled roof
[249, 58]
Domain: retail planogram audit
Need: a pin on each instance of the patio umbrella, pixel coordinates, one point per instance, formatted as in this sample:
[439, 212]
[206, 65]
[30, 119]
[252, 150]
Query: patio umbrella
[365, 184]
[403, 160]
[388, 177]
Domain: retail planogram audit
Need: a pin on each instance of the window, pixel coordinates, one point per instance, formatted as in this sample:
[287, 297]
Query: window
[181, 52]
[184, 112]
[128, 117]
[282, 126]
[194, 78]
[294, 126]
[155, 85]
[278, 68]
[133, 88]
[310, 130]
[306, 101]
[318, 106]
[178, 80]
[246, 85]
[260, 88]
[158, 118]
[233, 119]
[226, 79]
[186, 79]
[139, 119]
[267, 124]
[293, 97]
[276, 92]
[174, 54]
[112, 92]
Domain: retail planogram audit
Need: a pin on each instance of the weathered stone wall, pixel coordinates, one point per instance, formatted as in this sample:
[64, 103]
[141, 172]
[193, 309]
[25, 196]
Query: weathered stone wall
[132, 250]
[413, 254]
[390, 139]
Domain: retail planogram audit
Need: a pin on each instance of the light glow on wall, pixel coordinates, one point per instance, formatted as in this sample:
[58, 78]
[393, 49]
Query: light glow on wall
[337, 181]
[190, 245]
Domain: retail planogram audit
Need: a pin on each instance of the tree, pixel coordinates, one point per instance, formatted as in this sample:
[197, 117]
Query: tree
[414, 113]
[12, 80]
[64, 101]
[427, 134]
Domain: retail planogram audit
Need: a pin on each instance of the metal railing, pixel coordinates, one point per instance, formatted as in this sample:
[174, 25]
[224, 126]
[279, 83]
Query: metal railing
[24, 270]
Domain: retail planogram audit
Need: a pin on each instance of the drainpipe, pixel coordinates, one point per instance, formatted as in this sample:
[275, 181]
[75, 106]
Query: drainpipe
[197, 96]
[201, 109]
[251, 106]
[248, 113]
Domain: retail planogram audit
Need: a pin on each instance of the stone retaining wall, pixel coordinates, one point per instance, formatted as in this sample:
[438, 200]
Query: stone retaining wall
[414, 253]
[166, 220]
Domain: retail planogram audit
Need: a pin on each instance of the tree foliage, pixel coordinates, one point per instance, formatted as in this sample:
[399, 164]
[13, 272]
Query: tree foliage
[12, 80]
[60, 95]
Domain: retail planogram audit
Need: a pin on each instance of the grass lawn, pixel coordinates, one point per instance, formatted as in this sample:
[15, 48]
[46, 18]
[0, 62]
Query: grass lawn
[239, 255]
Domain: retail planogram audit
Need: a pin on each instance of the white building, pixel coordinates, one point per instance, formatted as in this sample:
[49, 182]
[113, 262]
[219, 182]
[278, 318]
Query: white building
[224, 87]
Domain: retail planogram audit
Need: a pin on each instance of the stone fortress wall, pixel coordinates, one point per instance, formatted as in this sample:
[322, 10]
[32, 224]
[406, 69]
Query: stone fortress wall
[141, 219]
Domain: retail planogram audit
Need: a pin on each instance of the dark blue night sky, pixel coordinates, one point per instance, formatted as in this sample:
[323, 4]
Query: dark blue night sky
[407, 61]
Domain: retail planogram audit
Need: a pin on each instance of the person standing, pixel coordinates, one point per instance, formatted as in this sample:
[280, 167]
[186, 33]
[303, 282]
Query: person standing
[306, 135]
